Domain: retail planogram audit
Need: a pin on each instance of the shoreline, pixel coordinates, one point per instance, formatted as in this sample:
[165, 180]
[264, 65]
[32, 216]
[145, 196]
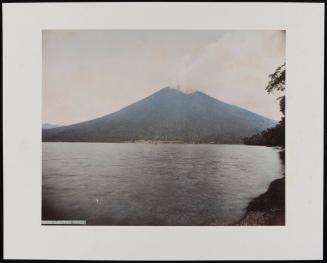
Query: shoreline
[267, 209]
[161, 142]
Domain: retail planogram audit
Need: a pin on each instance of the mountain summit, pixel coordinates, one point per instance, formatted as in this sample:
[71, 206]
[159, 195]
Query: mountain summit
[167, 115]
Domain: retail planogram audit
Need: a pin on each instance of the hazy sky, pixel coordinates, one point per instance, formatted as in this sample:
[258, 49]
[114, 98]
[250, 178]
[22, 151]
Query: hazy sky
[90, 73]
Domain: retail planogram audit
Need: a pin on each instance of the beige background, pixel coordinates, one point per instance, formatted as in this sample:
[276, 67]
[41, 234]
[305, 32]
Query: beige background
[24, 237]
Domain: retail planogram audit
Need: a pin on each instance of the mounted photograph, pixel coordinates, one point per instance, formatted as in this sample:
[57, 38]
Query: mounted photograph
[163, 127]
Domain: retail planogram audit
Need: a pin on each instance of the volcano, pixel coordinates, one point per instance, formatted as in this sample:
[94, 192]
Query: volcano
[167, 115]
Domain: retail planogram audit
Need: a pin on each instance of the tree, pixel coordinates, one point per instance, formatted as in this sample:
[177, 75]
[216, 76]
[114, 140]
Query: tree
[277, 83]
[273, 136]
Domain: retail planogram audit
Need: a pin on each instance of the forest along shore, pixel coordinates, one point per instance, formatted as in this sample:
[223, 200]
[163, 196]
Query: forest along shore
[178, 142]
[269, 207]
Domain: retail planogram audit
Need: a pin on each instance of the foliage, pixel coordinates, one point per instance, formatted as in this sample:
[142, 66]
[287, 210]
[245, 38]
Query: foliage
[277, 80]
[273, 136]
[277, 83]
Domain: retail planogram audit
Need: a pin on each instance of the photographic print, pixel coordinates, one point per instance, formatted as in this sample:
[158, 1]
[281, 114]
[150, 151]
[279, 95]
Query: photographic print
[163, 127]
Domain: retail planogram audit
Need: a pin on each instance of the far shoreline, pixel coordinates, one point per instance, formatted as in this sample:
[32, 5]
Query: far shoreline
[165, 142]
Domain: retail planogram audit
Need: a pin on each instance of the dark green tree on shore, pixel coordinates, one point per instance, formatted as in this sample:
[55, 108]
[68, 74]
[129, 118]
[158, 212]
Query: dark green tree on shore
[274, 136]
[277, 83]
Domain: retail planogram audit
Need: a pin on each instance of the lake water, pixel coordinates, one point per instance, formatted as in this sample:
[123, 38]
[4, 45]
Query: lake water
[154, 184]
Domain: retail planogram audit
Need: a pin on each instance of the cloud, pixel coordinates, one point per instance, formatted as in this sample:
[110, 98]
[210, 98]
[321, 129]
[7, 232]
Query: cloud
[235, 68]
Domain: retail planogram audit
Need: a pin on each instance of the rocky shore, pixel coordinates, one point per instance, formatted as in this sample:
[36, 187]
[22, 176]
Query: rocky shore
[268, 208]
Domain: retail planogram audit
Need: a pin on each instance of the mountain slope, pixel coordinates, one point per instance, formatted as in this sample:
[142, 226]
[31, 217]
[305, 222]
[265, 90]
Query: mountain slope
[47, 126]
[167, 115]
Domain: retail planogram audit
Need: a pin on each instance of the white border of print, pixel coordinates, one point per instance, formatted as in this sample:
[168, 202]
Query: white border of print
[26, 238]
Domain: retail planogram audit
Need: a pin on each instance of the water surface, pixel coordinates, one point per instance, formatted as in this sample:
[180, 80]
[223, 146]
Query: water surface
[154, 184]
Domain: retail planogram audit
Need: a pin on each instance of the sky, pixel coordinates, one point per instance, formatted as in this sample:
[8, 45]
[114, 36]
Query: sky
[91, 73]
